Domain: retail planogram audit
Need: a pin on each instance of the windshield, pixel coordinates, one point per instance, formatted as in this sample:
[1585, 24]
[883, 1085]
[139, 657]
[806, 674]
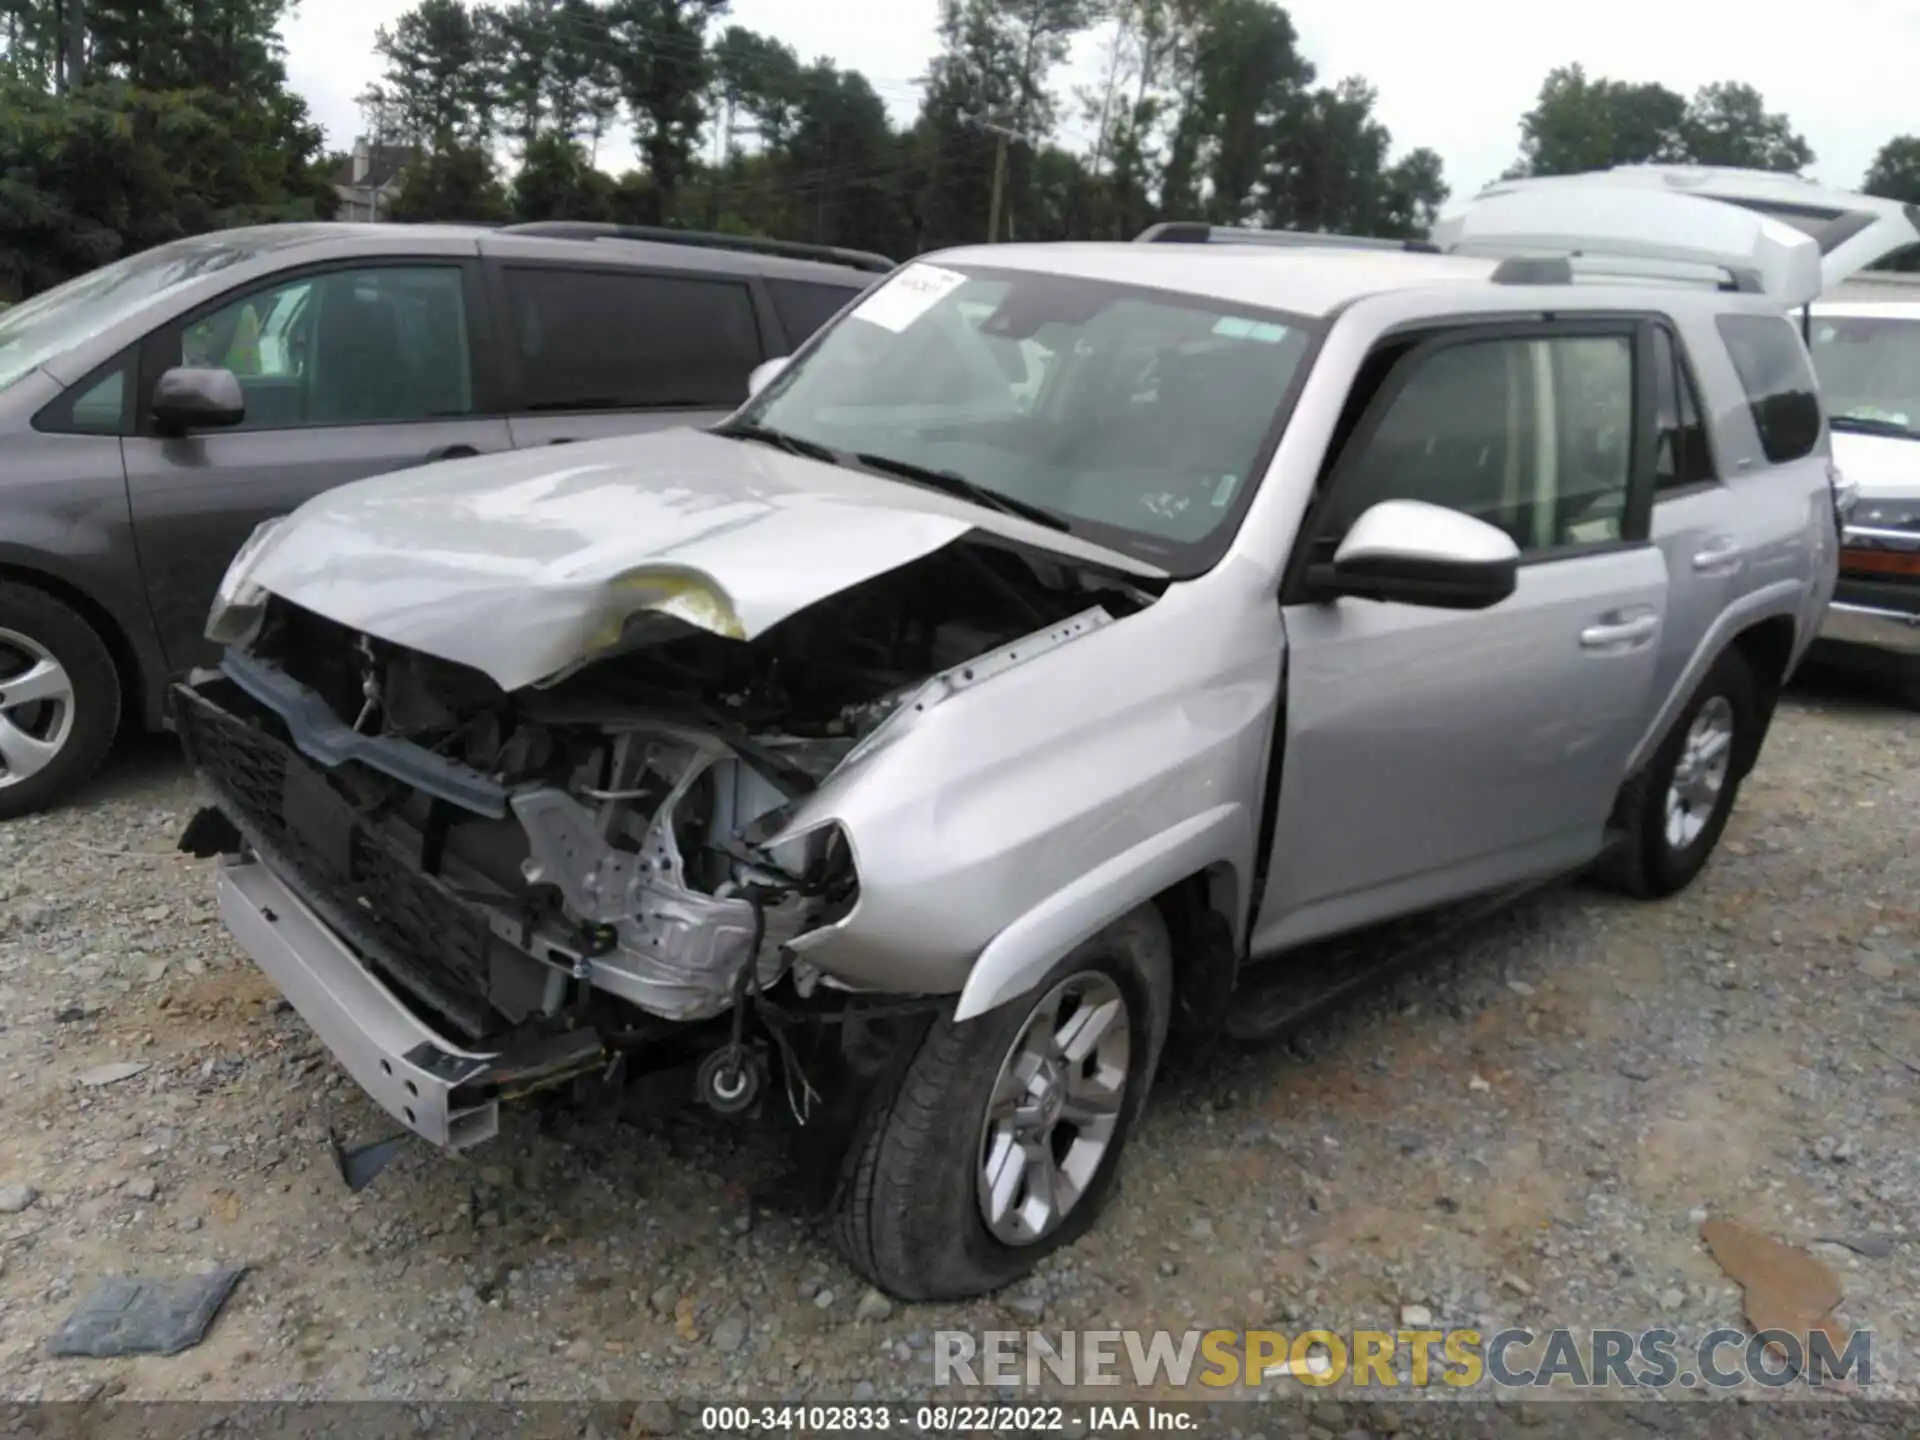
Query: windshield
[1869, 368]
[52, 323]
[1134, 417]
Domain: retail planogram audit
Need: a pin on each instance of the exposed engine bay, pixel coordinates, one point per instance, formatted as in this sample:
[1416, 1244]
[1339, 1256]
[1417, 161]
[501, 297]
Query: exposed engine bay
[610, 840]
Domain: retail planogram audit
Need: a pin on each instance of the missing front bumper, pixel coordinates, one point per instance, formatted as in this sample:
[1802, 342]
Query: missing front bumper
[446, 1095]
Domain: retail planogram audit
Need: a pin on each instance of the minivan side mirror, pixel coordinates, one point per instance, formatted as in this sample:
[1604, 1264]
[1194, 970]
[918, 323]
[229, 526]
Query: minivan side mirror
[765, 373]
[1414, 553]
[190, 397]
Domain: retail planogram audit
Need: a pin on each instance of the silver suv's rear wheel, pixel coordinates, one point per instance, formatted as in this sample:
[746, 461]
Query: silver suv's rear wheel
[59, 699]
[1672, 813]
[1004, 1136]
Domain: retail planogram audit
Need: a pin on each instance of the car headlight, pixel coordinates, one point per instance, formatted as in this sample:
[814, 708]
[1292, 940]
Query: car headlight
[239, 603]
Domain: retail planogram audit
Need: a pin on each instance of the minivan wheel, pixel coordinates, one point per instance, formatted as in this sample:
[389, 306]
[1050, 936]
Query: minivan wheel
[59, 699]
[1003, 1138]
[1674, 812]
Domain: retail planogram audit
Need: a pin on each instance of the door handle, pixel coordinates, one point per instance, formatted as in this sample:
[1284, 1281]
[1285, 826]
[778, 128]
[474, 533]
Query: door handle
[450, 452]
[1612, 633]
[1719, 555]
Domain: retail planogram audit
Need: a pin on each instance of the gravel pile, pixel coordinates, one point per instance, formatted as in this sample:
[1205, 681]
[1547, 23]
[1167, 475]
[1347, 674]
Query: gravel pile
[1529, 1131]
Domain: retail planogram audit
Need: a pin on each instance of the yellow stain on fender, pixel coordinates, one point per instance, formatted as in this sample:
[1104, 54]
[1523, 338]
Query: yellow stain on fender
[691, 598]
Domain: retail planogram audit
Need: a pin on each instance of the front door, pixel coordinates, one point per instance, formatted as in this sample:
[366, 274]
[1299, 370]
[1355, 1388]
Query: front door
[1432, 754]
[347, 373]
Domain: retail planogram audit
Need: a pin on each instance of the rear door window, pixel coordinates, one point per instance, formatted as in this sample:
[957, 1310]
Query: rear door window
[1680, 452]
[804, 306]
[621, 340]
[1772, 363]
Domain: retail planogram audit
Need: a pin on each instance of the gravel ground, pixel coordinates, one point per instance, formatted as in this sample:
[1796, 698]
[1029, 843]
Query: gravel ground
[1527, 1131]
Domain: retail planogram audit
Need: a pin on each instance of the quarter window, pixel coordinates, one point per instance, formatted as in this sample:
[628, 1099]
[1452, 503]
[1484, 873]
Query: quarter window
[1533, 436]
[619, 340]
[97, 406]
[379, 346]
[1774, 370]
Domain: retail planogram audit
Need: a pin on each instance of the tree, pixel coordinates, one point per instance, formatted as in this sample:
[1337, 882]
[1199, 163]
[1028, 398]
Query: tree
[1895, 172]
[661, 59]
[1581, 124]
[454, 183]
[1729, 124]
[442, 61]
[557, 181]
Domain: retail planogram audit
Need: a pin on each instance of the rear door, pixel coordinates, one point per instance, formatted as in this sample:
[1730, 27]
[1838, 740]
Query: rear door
[1430, 754]
[597, 350]
[348, 371]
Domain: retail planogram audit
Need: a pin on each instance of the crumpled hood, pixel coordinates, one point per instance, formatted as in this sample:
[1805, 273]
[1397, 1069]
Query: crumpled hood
[522, 564]
[1885, 467]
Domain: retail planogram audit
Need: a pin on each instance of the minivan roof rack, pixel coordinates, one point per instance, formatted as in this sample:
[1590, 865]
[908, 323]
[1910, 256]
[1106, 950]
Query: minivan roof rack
[1566, 269]
[665, 235]
[1200, 232]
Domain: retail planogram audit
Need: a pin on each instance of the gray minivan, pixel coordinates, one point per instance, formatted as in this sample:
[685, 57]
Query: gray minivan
[156, 410]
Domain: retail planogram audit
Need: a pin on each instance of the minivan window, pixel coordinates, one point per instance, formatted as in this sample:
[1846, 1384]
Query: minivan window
[1869, 368]
[1771, 361]
[54, 322]
[1137, 417]
[804, 306]
[379, 346]
[622, 340]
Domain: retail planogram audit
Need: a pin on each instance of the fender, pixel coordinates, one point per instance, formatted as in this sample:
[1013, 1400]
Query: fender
[1783, 597]
[1016, 959]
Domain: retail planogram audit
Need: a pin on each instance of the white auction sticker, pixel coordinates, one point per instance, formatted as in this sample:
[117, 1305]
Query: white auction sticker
[908, 296]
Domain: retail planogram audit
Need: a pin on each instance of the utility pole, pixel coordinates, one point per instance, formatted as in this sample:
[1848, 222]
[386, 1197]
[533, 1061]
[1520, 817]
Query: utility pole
[1002, 137]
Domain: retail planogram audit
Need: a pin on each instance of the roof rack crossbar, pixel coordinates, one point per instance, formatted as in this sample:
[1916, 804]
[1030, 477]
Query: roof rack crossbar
[660, 234]
[1560, 270]
[1200, 232]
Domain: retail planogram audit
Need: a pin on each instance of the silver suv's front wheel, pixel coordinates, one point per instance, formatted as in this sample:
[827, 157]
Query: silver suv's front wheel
[1005, 1133]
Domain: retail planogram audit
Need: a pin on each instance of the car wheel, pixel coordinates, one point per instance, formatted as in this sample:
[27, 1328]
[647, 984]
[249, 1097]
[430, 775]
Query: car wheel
[1674, 811]
[1002, 1140]
[59, 699]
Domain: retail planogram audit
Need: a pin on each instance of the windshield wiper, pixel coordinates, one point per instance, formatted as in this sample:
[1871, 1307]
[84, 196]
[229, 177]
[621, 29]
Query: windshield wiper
[1864, 425]
[954, 483]
[780, 440]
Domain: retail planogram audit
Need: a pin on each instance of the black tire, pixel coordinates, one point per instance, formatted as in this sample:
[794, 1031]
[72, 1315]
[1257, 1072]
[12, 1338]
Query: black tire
[59, 630]
[1647, 863]
[906, 1214]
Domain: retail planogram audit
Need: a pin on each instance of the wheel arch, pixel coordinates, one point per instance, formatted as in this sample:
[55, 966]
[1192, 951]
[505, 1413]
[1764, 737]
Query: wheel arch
[1767, 647]
[1193, 873]
[139, 701]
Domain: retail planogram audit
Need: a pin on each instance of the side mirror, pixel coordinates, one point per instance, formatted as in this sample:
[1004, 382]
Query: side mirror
[765, 373]
[1413, 553]
[188, 398]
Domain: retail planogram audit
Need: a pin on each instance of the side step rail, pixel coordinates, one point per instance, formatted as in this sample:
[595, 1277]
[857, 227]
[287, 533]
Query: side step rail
[1285, 991]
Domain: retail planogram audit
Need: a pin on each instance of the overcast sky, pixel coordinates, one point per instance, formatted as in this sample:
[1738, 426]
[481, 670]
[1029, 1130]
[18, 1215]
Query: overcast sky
[1452, 74]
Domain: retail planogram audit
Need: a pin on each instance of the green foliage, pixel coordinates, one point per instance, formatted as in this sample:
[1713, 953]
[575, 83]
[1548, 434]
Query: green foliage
[455, 184]
[1895, 172]
[1586, 123]
[179, 121]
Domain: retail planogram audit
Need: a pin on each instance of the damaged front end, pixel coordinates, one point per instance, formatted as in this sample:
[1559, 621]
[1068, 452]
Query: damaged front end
[474, 894]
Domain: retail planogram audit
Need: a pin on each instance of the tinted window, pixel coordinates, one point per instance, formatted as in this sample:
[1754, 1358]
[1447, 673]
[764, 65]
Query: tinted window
[803, 307]
[1772, 364]
[1532, 436]
[96, 406]
[350, 347]
[608, 340]
[1680, 452]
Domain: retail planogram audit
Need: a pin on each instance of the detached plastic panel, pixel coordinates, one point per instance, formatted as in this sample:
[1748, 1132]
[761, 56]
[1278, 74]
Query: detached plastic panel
[1646, 225]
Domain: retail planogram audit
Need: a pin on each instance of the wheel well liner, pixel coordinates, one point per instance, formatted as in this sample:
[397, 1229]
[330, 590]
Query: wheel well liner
[1767, 647]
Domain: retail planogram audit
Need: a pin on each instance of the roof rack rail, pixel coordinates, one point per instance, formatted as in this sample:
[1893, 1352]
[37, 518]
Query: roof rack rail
[661, 234]
[1200, 232]
[1561, 270]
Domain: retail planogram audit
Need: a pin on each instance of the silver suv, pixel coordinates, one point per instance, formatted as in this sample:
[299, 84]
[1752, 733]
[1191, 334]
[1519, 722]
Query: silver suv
[1048, 655]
